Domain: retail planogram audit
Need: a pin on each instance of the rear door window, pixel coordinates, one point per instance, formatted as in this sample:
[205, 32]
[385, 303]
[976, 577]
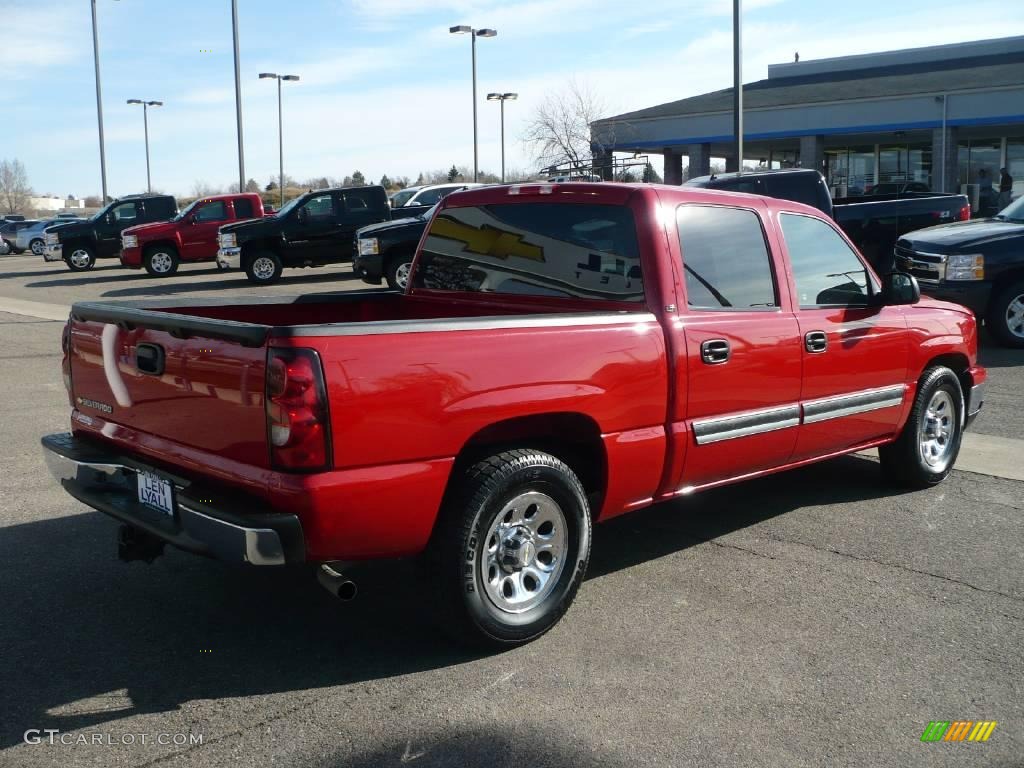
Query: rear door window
[534, 249]
[726, 261]
[243, 208]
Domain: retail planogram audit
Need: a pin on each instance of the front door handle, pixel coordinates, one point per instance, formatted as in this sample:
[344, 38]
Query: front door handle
[715, 351]
[815, 341]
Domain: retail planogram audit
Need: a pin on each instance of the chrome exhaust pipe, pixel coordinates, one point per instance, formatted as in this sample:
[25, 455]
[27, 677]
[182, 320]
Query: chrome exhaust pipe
[335, 582]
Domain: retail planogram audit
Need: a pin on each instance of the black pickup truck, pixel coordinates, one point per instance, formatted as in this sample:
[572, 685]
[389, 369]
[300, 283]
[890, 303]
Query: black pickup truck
[80, 242]
[313, 230]
[384, 251]
[979, 264]
[873, 222]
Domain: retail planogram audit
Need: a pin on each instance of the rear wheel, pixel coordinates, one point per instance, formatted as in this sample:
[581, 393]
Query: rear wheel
[264, 268]
[1005, 318]
[926, 449]
[161, 260]
[397, 271]
[511, 548]
[37, 246]
[80, 258]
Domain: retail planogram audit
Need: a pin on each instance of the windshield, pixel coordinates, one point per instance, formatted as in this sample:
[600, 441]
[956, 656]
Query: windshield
[287, 207]
[1014, 211]
[188, 209]
[401, 198]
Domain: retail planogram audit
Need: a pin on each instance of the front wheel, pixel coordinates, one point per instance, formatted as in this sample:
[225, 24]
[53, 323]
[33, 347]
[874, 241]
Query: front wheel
[37, 247]
[1005, 318]
[397, 272]
[926, 450]
[80, 258]
[264, 268]
[511, 548]
[161, 261]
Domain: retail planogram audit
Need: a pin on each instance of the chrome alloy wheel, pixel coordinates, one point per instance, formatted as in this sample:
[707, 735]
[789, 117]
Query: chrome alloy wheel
[402, 274]
[1015, 316]
[263, 268]
[37, 246]
[80, 258]
[937, 433]
[524, 552]
[161, 262]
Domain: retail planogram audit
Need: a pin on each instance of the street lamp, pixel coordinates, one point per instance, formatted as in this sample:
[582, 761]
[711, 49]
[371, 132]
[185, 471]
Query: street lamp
[280, 139]
[502, 98]
[238, 96]
[145, 124]
[99, 101]
[463, 29]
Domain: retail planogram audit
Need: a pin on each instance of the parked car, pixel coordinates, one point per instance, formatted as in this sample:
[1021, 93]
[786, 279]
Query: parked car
[385, 251]
[13, 217]
[79, 243]
[562, 356]
[191, 236]
[31, 238]
[429, 195]
[979, 264]
[312, 230]
[402, 196]
[9, 232]
[873, 222]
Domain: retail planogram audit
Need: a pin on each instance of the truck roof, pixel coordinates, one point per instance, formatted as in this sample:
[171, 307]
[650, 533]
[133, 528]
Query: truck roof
[610, 193]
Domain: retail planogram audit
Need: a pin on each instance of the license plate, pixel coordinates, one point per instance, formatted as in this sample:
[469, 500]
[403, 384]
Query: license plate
[155, 492]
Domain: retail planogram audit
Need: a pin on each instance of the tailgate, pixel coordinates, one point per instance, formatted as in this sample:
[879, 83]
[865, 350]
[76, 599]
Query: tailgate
[192, 381]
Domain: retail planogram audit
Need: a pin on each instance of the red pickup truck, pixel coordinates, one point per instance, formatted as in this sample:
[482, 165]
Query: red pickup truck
[191, 236]
[563, 354]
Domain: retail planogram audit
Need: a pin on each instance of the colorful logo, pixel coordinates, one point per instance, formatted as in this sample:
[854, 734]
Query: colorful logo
[958, 730]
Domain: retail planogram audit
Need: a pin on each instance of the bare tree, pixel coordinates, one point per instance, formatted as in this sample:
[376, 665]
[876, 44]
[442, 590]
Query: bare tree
[14, 187]
[201, 189]
[559, 128]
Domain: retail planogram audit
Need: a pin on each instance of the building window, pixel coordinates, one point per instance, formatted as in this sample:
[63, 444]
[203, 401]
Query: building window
[978, 161]
[1015, 164]
[850, 171]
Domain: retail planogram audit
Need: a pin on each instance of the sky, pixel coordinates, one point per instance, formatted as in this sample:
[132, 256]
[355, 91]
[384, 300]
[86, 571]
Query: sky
[385, 89]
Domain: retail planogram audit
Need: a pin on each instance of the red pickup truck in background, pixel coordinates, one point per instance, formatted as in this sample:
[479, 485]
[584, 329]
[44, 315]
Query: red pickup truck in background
[191, 236]
[564, 354]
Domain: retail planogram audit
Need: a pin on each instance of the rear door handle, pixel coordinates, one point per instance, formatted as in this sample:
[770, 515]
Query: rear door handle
[715, 351]
[815, 341]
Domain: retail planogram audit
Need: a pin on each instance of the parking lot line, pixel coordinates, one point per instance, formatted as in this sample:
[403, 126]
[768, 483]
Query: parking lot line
[34, 309]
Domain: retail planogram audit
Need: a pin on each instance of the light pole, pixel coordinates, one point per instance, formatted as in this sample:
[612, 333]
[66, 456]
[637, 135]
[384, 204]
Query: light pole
[238, 96]
[737, 81]
[145, 125]
[99, 101]
[463, 29]
[502, 98]
[280, 132]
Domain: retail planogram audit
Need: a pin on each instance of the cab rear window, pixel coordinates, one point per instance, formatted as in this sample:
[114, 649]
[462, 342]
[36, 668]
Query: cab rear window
[534, 249]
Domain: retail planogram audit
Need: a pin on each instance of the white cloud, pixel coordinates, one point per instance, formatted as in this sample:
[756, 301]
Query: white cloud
[35, 37]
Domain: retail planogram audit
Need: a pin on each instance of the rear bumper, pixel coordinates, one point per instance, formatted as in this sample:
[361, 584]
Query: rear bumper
[229, 258]
[54, 253]
[106, 482]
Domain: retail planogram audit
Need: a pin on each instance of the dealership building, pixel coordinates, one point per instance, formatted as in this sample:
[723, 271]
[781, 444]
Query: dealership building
[942, 116]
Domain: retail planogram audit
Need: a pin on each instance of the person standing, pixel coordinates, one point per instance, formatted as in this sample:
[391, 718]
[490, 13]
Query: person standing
[1005, 188]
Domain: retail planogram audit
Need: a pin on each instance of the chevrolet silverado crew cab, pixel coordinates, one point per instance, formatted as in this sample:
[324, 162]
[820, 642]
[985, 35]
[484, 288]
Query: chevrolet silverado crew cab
[312, 230]
[79, 243]
[979, 264]
[564, 354]
[191, 236]
[385, 251]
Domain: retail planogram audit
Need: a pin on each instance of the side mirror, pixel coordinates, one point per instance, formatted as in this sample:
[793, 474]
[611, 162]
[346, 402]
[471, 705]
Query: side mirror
[900, 288]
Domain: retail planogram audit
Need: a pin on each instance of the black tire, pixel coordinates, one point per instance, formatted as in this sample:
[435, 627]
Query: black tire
[160, 260]
[37, 246]
[393, 271]
[258, 271]
[904, 461]
[1004, 323]
[79, 258]
[467, 605]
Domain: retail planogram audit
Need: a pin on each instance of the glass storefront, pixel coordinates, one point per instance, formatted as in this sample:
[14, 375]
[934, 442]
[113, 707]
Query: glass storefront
[906, 167]
[978, 161]
[1015, 164]
[850, 170]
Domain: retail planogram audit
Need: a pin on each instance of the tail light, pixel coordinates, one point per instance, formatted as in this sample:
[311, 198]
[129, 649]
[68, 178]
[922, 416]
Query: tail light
[964, 214]
[65, 363]
[298, 423]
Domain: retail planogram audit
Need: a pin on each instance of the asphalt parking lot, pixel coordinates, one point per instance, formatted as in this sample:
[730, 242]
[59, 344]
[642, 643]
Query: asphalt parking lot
[815, 618]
